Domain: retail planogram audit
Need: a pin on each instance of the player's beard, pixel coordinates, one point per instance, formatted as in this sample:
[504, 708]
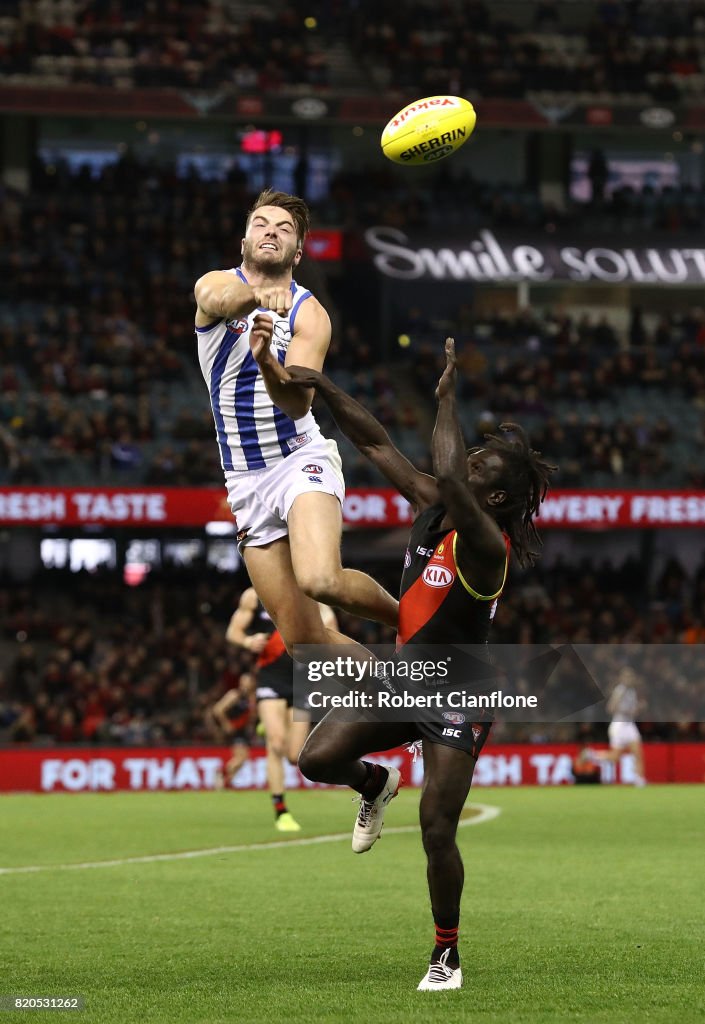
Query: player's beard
[265, 263]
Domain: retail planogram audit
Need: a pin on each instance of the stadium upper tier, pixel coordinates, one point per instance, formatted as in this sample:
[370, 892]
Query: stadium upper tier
[651, 52]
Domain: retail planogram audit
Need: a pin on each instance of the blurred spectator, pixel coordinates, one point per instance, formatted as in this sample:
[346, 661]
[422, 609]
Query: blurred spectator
[598, 173]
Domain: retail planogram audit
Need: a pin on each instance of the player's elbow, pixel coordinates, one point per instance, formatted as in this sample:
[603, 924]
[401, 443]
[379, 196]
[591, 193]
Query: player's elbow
[445, 477]
[448, 485]
[206, 296]
[296, 407]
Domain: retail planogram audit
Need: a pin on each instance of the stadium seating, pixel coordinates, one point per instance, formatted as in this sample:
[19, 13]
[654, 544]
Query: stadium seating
[113, 393]
[596, 52]
[109, 663]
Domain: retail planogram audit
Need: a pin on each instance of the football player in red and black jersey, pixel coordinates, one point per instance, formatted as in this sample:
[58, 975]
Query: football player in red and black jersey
[478, 504]
[252, 628]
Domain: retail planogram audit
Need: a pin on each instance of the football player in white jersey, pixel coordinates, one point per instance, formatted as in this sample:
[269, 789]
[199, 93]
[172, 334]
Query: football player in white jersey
[623, 733]
[284, 479]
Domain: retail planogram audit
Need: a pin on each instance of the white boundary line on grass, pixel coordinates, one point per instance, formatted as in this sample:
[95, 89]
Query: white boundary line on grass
[487, 813]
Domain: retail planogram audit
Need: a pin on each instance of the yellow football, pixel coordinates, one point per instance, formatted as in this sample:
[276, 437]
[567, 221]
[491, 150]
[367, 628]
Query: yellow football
[428, 130]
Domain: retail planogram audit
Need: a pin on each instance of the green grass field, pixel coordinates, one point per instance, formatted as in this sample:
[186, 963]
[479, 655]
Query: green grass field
[580, 905]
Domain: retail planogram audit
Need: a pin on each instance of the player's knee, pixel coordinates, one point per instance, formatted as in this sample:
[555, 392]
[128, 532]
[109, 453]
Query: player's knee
[321, 586]
[302, 633]
[312, 764]
[438, 836]
[276, 745]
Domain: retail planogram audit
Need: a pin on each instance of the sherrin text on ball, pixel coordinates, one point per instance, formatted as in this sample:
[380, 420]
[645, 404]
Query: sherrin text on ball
[428, 130]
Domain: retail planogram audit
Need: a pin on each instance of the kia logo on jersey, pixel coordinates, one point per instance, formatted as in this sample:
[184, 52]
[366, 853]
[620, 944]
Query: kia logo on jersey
[437, 576]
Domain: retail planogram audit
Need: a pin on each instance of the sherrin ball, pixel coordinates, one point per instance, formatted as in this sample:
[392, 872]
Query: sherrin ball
[428, 130]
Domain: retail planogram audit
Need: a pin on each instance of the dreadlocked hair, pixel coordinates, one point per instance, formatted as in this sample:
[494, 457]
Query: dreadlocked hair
[525, 479]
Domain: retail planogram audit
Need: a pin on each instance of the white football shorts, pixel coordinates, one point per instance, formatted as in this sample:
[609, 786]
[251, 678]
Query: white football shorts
[621, 734]
[261, 499]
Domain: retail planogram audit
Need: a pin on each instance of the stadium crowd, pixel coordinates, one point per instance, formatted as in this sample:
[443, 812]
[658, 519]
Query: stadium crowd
[163, 44]
[645, 51]
[651, 52]
[112, 393]
[109, 663]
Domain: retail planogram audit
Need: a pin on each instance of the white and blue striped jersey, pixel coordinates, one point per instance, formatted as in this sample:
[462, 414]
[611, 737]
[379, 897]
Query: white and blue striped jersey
[252, 433]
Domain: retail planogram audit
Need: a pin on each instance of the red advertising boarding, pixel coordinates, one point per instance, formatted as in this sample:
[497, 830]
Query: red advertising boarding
[364, 507]
[146, 769]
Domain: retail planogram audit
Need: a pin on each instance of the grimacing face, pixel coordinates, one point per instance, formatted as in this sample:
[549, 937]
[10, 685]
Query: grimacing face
[270, 243]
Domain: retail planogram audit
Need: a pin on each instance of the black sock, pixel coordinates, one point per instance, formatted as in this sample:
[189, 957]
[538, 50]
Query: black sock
[375, 782]
[279, 804]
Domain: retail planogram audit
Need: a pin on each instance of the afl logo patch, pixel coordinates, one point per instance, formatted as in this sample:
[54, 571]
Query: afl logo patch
[407, 559]
[311, 467]
[437, 576]
[454, 716]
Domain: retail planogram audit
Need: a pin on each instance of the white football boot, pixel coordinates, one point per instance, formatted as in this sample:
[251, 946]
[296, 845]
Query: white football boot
[370, 817]
[440, 976]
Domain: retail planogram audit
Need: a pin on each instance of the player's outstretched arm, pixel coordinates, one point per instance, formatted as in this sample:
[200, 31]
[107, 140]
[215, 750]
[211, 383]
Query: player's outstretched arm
[482, 549]
[370, 438]
[223, 296]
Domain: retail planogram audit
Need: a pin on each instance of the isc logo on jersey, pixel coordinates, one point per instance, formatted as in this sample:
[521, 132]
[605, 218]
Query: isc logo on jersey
[437, 576]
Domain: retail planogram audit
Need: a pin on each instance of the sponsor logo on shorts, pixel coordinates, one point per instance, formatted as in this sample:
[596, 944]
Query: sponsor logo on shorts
[316, 479]
[311, 467]
[407, 559]
[298, 442]
[241, 534]
[476, 732]
[437, 576]
[455, 717]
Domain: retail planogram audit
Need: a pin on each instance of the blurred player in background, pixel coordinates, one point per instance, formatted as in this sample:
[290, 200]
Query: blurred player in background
[275, 693]
[623, 732]
[478, 504]
[233, 715]
[284, 479]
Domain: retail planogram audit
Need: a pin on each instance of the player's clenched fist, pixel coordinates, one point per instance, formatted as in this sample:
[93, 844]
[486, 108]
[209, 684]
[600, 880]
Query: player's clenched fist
[277, 299]
[261, 336]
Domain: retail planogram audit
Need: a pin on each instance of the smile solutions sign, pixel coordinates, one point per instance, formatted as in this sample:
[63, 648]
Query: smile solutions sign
[485, 257]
